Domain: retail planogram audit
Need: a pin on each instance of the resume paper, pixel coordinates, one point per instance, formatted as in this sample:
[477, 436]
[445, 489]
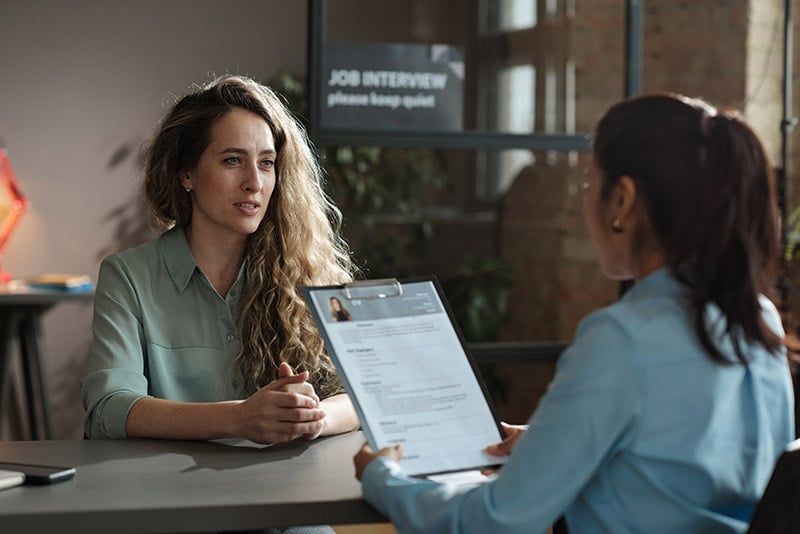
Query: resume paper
[408, 375]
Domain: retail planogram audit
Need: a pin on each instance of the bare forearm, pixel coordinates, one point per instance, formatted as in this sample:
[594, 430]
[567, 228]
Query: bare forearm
[268, 416]
[340, 416]
[159, 418]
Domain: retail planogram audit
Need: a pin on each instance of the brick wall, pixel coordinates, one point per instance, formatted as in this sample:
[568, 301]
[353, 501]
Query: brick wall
[722, 50]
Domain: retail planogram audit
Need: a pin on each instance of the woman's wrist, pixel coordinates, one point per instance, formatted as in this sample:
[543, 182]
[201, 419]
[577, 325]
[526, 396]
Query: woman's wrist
[340, 415]
[230, 421]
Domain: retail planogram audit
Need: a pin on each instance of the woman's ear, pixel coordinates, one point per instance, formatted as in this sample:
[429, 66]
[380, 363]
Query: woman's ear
[623, 199]
[186, 181]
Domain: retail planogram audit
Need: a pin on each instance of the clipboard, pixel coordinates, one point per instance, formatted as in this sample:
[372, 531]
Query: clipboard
[402, 359]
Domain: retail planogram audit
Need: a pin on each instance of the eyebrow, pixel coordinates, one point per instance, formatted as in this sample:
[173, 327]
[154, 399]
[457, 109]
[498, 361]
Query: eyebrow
[234, 150]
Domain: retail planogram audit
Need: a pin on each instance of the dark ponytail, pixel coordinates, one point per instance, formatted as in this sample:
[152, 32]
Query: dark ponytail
[710, 196]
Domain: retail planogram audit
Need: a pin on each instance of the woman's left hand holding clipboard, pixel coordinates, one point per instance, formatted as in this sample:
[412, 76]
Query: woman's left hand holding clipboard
[366, 455]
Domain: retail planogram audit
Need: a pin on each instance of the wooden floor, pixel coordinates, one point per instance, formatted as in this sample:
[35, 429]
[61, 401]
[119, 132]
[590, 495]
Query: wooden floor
[374, 528]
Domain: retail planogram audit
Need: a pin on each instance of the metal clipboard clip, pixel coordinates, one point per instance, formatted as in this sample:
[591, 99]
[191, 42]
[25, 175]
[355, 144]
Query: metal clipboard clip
[373, 289]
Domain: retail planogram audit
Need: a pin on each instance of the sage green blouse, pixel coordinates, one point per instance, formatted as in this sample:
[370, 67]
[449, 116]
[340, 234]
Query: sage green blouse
[161, 330]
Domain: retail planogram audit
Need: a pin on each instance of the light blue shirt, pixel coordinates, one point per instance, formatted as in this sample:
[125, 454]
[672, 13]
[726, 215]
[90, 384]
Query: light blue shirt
[160, 329]
[639, 431]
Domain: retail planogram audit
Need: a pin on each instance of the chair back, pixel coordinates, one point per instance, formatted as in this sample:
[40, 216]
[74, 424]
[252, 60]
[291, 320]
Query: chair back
[778, 511]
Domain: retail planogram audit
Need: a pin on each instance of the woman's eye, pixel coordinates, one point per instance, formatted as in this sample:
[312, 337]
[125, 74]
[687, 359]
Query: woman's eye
[268, 163]
[233, 160]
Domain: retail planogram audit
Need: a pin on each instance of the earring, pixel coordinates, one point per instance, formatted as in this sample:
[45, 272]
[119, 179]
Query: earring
[187, 189]
[616, 225]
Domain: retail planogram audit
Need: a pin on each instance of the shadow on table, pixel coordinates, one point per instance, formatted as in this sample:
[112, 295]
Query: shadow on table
[218, 455]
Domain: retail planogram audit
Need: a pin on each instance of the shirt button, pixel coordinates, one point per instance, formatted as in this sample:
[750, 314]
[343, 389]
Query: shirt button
[231, 337]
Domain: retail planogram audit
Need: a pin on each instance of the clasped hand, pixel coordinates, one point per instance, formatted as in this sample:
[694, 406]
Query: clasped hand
[285, 409]
[366, 455]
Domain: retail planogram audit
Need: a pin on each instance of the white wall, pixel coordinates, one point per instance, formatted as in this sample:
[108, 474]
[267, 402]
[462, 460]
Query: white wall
[83, 81]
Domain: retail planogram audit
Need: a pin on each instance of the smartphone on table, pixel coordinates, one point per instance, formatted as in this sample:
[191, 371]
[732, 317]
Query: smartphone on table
[38, 474]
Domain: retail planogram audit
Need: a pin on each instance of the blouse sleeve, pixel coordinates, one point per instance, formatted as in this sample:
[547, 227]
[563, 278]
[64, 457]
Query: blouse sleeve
[591, 408]
[116, 376]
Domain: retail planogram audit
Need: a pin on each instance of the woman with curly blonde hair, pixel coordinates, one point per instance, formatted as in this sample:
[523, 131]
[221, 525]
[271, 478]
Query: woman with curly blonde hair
[203, 333]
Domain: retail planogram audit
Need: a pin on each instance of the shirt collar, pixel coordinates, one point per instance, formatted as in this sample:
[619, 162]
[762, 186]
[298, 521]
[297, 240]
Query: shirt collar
[177, 257]
[660, 281]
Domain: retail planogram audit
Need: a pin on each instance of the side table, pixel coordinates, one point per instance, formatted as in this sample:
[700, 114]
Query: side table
[20, 320]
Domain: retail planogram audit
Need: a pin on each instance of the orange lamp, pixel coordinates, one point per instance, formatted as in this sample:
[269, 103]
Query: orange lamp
[12, 205]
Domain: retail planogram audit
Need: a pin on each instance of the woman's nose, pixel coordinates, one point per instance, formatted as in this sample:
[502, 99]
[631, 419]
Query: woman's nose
[252, 180]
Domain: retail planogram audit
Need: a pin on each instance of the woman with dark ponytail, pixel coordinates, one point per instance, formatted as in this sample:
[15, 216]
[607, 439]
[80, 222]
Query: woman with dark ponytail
[712, 207]
[670, 407]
